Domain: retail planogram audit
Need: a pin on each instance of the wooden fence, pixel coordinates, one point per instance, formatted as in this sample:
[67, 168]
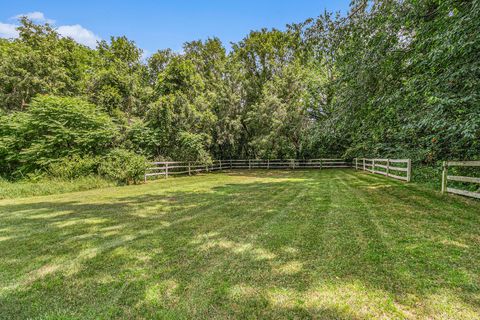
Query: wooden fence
[400, 169]
[446, 178]
[167, 168]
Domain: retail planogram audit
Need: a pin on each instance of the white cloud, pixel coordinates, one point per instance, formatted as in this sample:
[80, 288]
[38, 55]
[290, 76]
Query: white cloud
[79, 34]
[76, 31]
[35, 16]
[8, 31]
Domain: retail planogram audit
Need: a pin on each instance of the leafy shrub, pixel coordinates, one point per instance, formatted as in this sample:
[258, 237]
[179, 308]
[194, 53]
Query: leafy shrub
[123, 166]
[53, 128]
[74, 167]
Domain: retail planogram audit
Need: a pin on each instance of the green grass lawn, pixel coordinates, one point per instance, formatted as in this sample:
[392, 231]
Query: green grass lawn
[331, 244]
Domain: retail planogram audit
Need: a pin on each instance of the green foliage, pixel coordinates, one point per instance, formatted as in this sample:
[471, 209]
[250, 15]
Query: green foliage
[280, 120]
[51, 129]
[140, 138]
[192, 147]
[39, 62]
[74, 167]
[117, 84]
[407, 79]
[123, 166]
[158, 62]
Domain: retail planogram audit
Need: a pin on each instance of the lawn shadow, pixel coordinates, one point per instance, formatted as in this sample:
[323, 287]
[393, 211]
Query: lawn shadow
[302, 244]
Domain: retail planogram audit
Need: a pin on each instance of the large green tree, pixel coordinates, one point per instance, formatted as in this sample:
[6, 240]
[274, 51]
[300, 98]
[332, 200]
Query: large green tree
[40, 62]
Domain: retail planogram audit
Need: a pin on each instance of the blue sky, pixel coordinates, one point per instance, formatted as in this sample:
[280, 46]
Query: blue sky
[157, 25]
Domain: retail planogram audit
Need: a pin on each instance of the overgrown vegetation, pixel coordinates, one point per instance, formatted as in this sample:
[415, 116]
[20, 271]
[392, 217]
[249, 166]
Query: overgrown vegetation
[122, 165]
[392, 79]
[52, 129]
[47, 186]
[327, 244]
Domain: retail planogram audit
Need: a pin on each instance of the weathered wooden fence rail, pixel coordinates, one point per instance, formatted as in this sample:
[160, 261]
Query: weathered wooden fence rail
[167, 168]
[289, 164]
[446, 177]
[400, 169]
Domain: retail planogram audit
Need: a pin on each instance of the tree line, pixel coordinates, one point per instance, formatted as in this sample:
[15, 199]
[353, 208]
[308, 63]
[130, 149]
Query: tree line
[390, 79]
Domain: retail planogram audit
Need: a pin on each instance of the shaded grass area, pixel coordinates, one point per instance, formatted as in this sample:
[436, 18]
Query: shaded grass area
[46, 186]
[330, 244]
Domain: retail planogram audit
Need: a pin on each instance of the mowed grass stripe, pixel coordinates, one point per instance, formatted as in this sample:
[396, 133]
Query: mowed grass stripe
[237, 267]
[427, 238]
[233, 251]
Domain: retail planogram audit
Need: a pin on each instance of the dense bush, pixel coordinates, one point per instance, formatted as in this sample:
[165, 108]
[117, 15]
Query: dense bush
[123, 166]
[74, 167]
[51, 129]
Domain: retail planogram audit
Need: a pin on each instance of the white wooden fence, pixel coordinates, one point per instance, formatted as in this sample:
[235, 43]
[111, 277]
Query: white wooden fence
[400, 169]
[167, 168]
[446, 178]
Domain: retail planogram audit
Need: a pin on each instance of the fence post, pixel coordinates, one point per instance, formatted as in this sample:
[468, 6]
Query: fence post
[388, 167]
[268, 164]
[409, 170]
[166, 171]
[444, 176]
[320, 164]
[220, 165]
[293, 163]
[363, 164]
[373, 166]
[249, 164]
[356, 163]
[189, 169]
